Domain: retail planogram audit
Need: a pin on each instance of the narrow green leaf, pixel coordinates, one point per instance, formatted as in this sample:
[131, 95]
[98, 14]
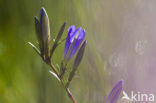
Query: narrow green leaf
[34, 47]
[61, 41]
[55, 75]
[56, 40]
[60, 32]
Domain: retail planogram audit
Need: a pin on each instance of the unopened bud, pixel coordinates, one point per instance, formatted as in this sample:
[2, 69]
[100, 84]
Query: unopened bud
[45, 32]
[80, 55]
[45, 26]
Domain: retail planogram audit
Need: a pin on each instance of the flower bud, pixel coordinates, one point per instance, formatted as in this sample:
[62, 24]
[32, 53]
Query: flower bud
[76, 62]
[42, 28]
[74, 39]
[45, 30]
[44, 25]
[80, 55]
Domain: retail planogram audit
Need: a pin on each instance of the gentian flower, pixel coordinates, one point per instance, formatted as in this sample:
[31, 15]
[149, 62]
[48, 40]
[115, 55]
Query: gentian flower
[73, 41]
[43, 32]
[115, 93]
[77, 62]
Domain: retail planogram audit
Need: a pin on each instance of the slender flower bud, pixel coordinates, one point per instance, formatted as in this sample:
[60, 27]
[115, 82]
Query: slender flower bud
[77, 62]
[73, 41]
[115, 93]
[44, 25]
[80, 55]
[43, 32]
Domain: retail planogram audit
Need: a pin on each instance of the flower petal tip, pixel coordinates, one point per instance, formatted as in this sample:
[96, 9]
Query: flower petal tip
[43, 10]
[115, 92]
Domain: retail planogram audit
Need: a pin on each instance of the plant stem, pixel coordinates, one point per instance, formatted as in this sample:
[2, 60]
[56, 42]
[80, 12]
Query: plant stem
[67, 89]
[63, 70]
[70, 77]
[54, 69]
[70, 95]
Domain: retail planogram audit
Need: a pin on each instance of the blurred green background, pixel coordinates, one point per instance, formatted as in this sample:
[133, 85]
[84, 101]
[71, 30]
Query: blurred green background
[120, 36]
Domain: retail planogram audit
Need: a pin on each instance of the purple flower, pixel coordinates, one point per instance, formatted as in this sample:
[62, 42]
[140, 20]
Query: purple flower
[115, 93]
[73, 41]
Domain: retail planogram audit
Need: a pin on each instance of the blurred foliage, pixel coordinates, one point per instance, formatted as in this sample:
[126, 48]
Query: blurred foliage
[24, 78]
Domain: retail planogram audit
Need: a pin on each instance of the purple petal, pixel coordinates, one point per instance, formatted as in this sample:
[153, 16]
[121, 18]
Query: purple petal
[115, 93]
[73, 41]
[80, 36]
[42, 16]
[70, 50]
[71, 30]
[83, 33]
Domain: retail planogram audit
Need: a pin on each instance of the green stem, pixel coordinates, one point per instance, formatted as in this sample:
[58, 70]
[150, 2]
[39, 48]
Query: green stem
[53, 68]
[70, 95]
[62, 82]
[63, 65]
[70, 77]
